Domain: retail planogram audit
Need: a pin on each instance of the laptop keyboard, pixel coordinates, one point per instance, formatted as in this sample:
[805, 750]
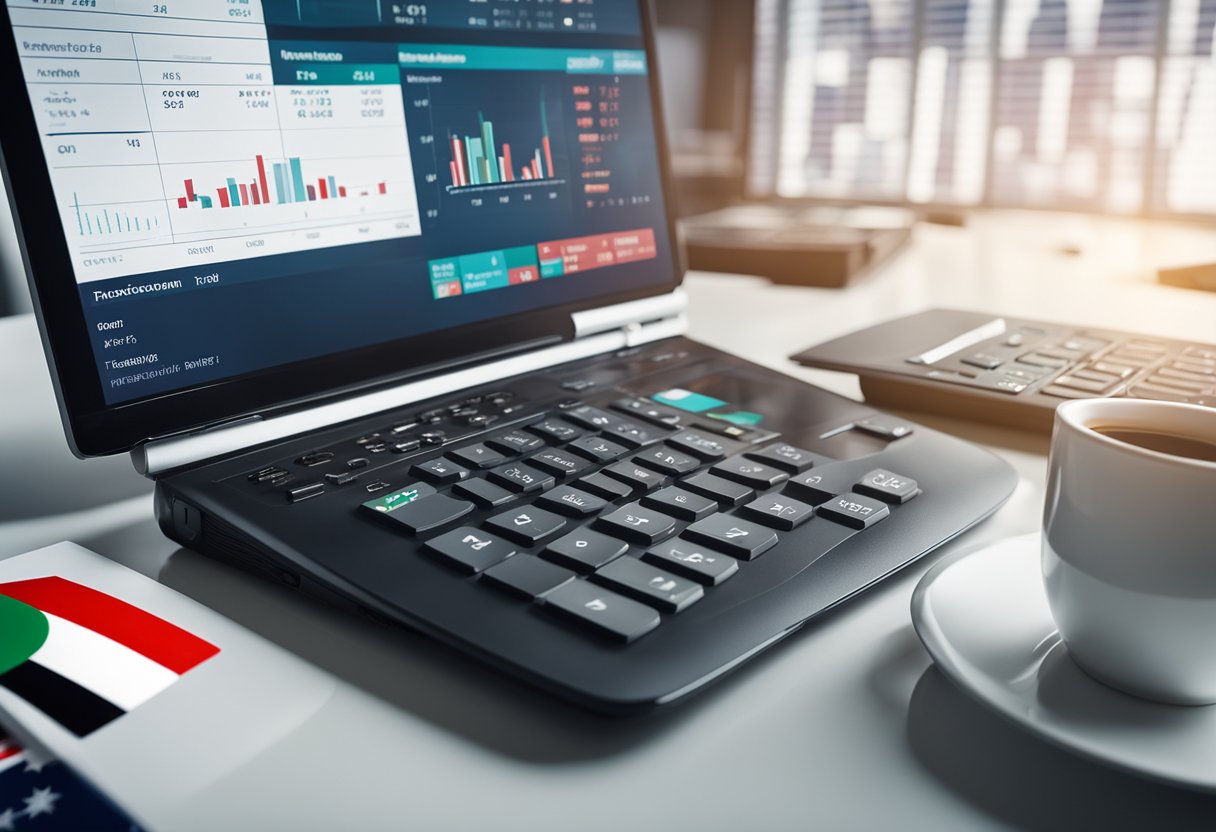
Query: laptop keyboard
[610, 519]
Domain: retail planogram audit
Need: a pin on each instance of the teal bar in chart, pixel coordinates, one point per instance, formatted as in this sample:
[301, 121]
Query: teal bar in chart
[280, 174]
[487, 144]
[299, 194]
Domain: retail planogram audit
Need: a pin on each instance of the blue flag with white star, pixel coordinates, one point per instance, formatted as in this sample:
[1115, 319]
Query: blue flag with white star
[44, 797]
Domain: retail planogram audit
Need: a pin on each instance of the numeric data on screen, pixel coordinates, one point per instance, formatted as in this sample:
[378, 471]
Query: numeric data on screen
[182, 138]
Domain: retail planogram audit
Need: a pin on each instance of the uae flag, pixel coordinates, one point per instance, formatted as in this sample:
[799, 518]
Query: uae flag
[85, 658]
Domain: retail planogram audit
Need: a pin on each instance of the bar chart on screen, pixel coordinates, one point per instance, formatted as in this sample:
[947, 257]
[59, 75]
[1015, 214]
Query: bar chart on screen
[176, 141]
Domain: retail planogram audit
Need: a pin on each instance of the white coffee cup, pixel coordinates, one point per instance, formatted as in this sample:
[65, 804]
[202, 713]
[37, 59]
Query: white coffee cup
[1129, 548]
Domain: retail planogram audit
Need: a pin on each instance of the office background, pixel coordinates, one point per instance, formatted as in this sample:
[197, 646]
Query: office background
[846, 725]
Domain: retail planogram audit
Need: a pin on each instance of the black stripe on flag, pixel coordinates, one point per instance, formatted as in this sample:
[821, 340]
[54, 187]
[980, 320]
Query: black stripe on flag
[78, 709]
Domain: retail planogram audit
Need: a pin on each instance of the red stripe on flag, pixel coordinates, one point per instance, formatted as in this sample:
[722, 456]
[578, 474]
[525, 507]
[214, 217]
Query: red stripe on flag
[160, 641]
[8, 748]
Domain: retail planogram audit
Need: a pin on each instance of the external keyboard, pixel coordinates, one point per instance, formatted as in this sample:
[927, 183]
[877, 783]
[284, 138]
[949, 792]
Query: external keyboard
[1013, 371]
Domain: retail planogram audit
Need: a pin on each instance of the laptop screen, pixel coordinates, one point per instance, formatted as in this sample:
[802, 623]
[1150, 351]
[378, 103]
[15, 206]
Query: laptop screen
[245, 184]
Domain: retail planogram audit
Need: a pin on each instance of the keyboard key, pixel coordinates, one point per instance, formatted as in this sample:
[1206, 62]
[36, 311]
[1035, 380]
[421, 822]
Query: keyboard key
[558, 462]
[470, 550]
[779, 511]
[788, 458]
[1193, 366]
[649, 411]
[635, 476]
[820, 484]
[1086, 384]
[680, 503]
[1180, 385]
[440, 471]
[592, 417]
[527, 525]
[888, 487]
[1090, 374]
[633, 521]
[598, 449]
[399, 498]
[705, 566]
[983, 361]
[486, 494]
[1067, 392]
[1183, 375]
[478, 456]
[555, 431]
[521, 478]
[633, 436]
[653, 586]
[715, 488]
[705, 448]
[430, 512]
[585, 550]
[667, 461]
[732, 535]
[526, 575]
[268, 474]
[571, 501]
[303, 492]
[612, 615]
[515, 442]
[1036, 359]
[1144, 390]
[1120, 370]
[1131, 357]
[404, 446]
[605, 487]
[746, 471]
[315, 458]
[854, 510]
[884, 427]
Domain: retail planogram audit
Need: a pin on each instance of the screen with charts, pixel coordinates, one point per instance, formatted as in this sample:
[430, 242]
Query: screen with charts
[1106, 105]
[248, 183]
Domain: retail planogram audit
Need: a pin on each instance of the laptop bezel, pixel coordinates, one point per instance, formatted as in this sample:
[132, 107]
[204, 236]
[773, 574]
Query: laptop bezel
[93, 429]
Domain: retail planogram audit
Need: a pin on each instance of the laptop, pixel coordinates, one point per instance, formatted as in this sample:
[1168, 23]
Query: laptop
[386, 300]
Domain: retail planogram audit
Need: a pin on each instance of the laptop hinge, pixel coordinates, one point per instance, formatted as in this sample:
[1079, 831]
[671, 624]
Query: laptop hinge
[623, 316]
[596, 331]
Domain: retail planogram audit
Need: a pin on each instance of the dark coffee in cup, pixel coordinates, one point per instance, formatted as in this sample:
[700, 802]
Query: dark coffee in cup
[1187, 447]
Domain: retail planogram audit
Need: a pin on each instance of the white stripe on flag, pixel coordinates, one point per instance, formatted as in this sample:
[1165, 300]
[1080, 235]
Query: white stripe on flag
[111, 670]
[9, 762]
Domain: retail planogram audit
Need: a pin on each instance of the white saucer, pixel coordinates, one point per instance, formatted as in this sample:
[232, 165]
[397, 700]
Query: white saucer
[984, 619]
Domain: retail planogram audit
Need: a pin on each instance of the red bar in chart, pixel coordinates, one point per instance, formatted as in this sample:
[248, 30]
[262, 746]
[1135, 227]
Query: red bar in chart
[262, 179]
[181, 202]
[458, 158]
[253, 189]
[323, 189]
[548, 155]
[189, 190]
[507, 172]
[381, 188]
[244, 194]
[223, 195]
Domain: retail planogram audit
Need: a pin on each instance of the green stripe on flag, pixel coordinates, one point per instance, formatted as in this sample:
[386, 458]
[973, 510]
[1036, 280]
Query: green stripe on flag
[23, 629]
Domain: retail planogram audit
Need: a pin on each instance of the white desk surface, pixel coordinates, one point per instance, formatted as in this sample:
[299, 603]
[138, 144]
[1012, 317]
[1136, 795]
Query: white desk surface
[843, 726]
